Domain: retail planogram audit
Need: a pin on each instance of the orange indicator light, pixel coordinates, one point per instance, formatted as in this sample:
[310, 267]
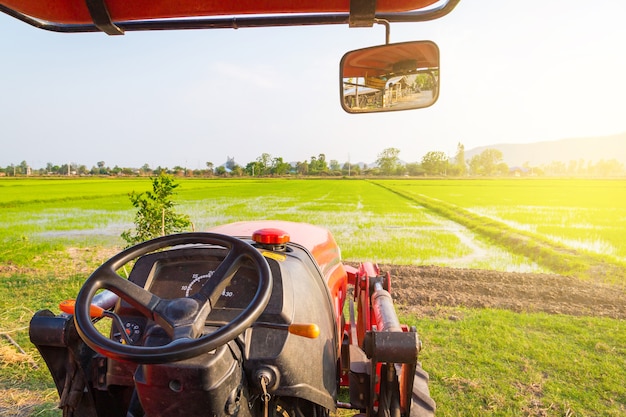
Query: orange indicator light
[67, 306]
[306, 330]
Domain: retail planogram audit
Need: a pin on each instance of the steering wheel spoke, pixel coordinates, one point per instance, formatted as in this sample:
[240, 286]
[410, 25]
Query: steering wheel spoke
[223, 275]
[138, 297]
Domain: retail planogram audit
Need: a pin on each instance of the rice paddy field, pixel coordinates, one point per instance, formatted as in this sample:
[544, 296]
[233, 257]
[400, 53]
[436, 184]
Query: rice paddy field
[54, 231]
[381, 220]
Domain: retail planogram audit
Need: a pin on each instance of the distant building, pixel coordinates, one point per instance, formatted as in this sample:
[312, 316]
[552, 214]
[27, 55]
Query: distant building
[519, 171]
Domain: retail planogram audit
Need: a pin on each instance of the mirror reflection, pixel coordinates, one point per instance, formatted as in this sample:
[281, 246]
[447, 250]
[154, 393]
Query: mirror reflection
[390, 77]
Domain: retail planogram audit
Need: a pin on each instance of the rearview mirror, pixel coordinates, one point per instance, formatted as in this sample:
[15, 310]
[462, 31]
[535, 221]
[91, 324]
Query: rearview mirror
[391, 77]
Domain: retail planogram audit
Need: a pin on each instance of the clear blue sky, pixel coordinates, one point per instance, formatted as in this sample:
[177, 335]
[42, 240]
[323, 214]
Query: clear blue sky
[511, 71]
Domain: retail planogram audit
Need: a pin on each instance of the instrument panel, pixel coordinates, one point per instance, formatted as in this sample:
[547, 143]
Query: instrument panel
[172, 278]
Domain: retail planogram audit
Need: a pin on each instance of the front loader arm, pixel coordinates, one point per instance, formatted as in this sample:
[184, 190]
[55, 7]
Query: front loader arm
[385, 377]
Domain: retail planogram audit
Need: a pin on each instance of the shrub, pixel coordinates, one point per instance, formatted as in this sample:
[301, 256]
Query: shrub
[155, 212]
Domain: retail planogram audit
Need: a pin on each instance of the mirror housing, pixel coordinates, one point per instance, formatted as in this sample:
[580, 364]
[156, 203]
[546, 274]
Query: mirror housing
[399, 76]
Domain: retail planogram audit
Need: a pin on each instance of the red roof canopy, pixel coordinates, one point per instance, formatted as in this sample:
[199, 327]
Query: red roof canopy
[76, 11]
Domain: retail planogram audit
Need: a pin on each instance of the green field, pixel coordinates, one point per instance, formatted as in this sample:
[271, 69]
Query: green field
[584, 214]
[490, 363]
[382, 220]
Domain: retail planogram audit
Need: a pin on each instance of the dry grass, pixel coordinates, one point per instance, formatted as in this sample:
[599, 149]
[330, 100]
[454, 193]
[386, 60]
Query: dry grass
[16, 402]
[20, 402]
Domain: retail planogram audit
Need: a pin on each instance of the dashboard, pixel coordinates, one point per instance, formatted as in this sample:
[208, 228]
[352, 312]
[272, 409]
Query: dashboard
[182, 272]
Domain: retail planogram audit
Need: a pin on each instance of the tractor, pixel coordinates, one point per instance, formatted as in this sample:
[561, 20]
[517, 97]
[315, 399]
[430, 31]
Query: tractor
[255, 318]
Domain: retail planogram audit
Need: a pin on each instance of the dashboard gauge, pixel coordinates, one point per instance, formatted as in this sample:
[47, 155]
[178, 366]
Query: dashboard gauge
[184, 278]
[197, 281]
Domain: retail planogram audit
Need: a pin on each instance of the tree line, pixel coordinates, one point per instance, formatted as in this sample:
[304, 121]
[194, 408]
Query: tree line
[388, 163]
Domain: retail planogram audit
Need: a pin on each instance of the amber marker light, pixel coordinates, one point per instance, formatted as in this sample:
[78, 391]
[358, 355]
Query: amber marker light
[68, 306]
[305, 330]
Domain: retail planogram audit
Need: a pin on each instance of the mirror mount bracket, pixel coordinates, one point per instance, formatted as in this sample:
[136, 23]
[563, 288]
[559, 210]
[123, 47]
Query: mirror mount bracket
[101, 17]
[362, 13]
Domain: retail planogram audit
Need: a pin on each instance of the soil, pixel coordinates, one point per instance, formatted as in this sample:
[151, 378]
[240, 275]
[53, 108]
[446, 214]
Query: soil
[425, 289]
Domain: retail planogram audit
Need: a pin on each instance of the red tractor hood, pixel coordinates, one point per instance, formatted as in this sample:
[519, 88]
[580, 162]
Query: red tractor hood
[317, 240]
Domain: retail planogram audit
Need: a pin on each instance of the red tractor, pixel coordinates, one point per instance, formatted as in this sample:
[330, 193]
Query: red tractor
[248, 319]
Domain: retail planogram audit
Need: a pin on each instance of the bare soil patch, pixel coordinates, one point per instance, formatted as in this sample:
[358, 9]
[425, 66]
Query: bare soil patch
[421, 289]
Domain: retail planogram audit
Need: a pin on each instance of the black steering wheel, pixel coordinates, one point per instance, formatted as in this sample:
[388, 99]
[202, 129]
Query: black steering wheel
[182, 318]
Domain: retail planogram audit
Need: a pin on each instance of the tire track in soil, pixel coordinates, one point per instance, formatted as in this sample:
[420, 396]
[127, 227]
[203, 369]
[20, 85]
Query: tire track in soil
[420, 289]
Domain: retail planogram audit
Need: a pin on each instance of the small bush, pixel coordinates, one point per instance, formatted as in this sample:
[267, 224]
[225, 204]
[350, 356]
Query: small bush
[155, 212]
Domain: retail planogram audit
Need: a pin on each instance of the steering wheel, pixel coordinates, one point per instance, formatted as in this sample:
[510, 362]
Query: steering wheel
[182, 318]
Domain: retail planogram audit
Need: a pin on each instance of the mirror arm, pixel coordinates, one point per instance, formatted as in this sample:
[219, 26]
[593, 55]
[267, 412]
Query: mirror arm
[387, 28]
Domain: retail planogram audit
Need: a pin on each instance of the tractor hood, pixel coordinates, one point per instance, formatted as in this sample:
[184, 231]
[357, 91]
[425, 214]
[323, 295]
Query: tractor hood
[316, 240]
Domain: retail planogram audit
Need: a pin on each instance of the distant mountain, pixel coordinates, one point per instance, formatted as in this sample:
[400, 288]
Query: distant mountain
[564, 150]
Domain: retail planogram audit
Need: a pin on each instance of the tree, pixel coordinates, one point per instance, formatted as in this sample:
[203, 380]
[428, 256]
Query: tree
[302, 168]
[388, 161]
[435, 163]
[313, 165]
[350, 169]
[179, 171]
[24, 168]
[459, 160]
[253, 168]
[145, 169]
[322, 166]
[101, 170]
[82, 170]
[612, 167]
[488, 162]
[279, 167]
[210, 167]
[318, 165]
[125, 171]
[155, 212]
[264, 164]
[414, 169]
[490, 159]
[237, 171]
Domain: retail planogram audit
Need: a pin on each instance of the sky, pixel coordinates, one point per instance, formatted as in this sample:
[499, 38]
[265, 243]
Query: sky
[511, 72]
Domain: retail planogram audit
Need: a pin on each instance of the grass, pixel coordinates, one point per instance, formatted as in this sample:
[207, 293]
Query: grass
[544, 250]
[366, 222]
[24, 379]
[494, 362]
[588, 214]
[53, 233]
